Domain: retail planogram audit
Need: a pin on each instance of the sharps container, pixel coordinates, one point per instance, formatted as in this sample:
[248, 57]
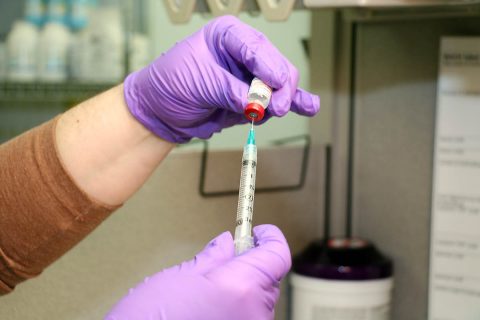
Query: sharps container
[341, 279]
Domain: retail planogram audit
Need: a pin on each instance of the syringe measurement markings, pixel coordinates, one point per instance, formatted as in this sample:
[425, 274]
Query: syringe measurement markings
[246, 196]
[246, 204]
[240, 221]
[245, 163]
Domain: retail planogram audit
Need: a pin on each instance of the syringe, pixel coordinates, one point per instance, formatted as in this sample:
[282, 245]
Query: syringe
[243, 230]
[259, 95]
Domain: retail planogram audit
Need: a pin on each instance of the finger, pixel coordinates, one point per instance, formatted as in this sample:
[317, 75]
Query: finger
[234, 119]
[270, 257]
[217, 252]
[252, 49]
[269, 240]
[218, 120]
[282, 98]
[305, 103]
[257, 273]
[235, 92]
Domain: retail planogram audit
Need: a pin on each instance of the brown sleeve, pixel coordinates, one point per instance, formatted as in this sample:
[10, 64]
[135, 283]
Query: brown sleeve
[43, 213]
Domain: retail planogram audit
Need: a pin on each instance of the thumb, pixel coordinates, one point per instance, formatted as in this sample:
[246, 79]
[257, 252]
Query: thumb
[217, 252]
[271, 250]
[268, 262]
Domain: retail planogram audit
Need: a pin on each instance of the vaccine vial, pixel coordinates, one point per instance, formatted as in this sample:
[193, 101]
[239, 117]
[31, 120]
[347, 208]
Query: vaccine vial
[259, 95]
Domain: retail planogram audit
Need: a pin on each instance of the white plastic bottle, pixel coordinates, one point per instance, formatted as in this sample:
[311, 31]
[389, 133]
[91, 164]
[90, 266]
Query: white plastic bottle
[342, 278]
[76, 58]
[22, 52]
[53, 52]
[56, 11]
[79, 13]
[34, 11]
[101, 47]
[98, 52]
[139, 51]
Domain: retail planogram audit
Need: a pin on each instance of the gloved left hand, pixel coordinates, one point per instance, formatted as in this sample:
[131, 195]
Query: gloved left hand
[200, 85]
[215, 285]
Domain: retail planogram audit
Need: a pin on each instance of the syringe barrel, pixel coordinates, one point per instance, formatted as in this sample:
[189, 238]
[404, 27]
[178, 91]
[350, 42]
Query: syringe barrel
[243, 244]
[243, 229]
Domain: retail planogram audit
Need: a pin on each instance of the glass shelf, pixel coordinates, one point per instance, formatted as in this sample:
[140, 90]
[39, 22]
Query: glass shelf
[67, 93]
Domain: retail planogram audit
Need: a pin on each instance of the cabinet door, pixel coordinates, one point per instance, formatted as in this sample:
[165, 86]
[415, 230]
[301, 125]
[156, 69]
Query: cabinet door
[396, 67]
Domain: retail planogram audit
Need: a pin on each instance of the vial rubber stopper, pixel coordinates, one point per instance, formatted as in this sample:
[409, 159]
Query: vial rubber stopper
[254, 112]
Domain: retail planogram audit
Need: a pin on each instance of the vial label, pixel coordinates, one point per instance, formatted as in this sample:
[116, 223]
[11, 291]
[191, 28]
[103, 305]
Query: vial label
[331, 313]
[259, 92]
[21, 64]
[54, 67]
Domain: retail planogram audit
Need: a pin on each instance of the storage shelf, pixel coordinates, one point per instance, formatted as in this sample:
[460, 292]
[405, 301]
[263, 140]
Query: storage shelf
[65, 92]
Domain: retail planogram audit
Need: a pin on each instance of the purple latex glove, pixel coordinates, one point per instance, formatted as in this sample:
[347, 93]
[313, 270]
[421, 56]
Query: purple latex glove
[200, 85]
[215, 285]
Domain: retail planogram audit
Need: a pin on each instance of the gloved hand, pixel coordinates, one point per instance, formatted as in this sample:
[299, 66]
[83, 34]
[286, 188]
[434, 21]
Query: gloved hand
[200, 85]
[215, 285]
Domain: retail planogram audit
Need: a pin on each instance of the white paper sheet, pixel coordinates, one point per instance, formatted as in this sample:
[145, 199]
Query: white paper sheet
[454, 292]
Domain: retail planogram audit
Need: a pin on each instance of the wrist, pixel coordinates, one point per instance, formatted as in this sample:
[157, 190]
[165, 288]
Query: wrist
[107, 152]
[138, 128]
[139, 92]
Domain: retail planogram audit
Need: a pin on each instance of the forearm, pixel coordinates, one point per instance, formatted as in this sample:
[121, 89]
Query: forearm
[106, 150]
[59, 181]
[43, 213]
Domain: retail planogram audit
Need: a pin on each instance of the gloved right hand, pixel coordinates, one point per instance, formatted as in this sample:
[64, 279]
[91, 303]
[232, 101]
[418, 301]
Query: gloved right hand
[200, 85]
[215, 285]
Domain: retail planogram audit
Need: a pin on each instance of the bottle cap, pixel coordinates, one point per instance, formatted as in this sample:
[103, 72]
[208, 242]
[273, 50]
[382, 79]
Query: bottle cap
[254, 112]
[343, 259]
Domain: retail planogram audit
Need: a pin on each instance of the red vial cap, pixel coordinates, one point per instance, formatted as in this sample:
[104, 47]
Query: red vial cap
[254, 111]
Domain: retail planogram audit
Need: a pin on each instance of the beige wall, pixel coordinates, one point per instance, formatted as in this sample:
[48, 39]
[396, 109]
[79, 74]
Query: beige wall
[165, 223]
